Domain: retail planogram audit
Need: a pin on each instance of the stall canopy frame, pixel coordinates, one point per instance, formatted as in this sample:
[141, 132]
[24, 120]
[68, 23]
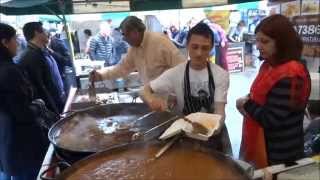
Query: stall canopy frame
[60, 7]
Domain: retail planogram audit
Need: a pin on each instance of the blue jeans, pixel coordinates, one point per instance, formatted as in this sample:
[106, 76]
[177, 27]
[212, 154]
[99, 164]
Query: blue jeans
[29, 175]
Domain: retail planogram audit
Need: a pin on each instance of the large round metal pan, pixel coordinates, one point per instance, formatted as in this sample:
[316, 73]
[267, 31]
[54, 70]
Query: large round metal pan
[93, 130]
[185, 159]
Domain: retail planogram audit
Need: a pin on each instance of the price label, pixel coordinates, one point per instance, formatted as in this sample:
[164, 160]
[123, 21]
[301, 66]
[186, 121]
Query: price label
[308, 29]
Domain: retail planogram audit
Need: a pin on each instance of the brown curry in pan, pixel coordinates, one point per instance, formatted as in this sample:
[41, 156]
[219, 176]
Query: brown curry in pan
[185, 160]
[102, 127]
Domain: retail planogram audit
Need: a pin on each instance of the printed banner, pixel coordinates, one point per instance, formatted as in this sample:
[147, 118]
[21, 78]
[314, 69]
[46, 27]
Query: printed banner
[309, 7]
[235, 59]
[291, 8]
[308, 27]
[220, 17]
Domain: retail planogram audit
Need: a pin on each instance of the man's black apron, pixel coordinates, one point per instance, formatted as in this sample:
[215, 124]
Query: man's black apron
[204, 103]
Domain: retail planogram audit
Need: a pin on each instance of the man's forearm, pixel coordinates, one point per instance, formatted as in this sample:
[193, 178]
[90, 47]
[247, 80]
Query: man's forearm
[146, 93]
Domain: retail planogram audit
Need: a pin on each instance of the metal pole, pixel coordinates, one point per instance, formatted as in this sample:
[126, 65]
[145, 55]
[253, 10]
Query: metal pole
[62, 6]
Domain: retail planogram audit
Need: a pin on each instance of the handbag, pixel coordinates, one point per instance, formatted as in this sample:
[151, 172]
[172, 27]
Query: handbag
[44, 117]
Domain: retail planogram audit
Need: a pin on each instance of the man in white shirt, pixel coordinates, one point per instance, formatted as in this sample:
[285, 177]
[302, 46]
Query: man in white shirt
[199, 86]
[150, 54]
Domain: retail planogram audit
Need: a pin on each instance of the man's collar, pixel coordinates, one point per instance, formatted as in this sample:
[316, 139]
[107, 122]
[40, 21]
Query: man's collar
[34, 45]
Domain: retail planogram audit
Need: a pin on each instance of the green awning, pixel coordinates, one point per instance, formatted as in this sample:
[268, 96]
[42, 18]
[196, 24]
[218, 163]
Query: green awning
[27, 7]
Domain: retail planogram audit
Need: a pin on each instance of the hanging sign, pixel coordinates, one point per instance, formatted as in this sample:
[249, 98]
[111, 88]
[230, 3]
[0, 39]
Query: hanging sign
[308, 27]
[235, 59]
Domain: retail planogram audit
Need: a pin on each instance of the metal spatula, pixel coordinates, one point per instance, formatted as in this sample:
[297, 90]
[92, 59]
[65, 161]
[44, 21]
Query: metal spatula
[139, 135]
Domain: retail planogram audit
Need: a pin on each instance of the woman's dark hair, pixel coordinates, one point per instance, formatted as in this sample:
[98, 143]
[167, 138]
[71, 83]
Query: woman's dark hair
[87, 32]
[201, 29]
[7, 32]
[288, 43]
[30, 28]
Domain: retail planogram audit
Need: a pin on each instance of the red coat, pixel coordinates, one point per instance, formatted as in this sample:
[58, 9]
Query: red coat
[253, 148]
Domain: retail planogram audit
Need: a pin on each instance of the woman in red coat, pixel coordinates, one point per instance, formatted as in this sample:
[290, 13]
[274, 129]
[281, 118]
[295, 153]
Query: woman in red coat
[274, 110]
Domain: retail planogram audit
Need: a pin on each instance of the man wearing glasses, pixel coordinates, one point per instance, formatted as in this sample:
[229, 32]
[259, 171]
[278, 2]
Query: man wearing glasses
[42, 68]
[150, 54]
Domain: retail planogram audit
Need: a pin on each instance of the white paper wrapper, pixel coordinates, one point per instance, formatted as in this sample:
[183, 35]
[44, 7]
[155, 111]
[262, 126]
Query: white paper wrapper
[210, 121]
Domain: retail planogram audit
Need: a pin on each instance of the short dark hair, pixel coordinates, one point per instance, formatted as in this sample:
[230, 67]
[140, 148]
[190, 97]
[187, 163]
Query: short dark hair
[30, 28]
[87, 32]
[201, 29]
[241, 23]
[288, 43]
[7, 32]
[132, 23]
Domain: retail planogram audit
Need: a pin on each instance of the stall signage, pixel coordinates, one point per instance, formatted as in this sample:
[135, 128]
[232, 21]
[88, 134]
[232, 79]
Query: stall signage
[235, 59]
[201, 3]
[308, 27]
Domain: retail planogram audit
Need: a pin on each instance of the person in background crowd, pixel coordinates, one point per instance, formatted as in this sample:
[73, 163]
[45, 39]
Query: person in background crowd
[58, 46]
[22, 45]
[61, 54]
[109, 22]
[150, 53]
[100, 48]
[63, 35]
[22, 144]
[221, 44]
[236, 33]
[202, 87]
[173, 31]
[180, 39]
[254, 22]
[88, 37]
[42, 67]
[274, 110]
[120, 46]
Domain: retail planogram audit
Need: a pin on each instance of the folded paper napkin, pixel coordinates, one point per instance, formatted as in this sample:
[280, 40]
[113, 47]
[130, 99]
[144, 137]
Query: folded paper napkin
[210, 121]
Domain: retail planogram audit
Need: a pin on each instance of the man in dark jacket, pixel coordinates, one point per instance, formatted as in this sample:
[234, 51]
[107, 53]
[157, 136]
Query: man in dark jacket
[42, 67]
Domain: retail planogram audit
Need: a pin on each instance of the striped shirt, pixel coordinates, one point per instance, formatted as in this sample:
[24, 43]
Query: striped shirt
[282, 120]
[100, 48]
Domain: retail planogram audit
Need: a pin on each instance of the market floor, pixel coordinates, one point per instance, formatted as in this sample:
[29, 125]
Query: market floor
[239, 86]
